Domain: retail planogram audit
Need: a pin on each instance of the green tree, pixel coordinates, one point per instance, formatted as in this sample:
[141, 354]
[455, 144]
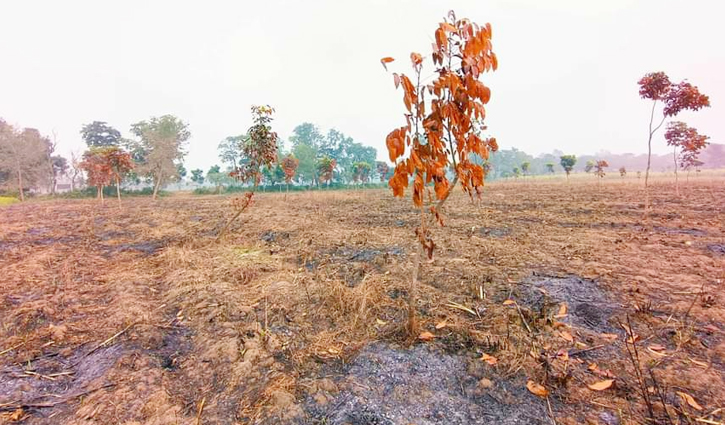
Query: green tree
[229, 151]
[197, 176]
[99, 133]
[525, 167]
[307, 168]
[589, 166]
[550, 167]
[567, 163]
[307, 134]
[180, 171]
[216, 177]
[159, 148]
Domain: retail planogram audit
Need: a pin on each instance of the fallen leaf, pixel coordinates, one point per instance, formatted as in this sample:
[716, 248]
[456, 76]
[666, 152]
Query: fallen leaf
[563, 354]
[489, 359]
[689, 400]
[562, 312]
[509, 302]
[560, 325]
[426, 336]
[537, 389]
[610, 337]
[441, 325]
[566, 335]
[381, 322]
[593, 366]
[656, 351]
[656, 347]
[580, 345]
[333, 351]
[601, 385]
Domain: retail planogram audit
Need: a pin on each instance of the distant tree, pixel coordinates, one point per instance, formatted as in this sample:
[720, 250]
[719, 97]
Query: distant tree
[216, 177]
[99, 133]
[383, 169]
[307, 156]
[680, 136]
[59, 167]
[76, 173]
[589, 166]
[325, 169]
[104, 165]
[197, 176]
[180, 171]
[24, 155]
[525, 167]
[676, 98]
[259, 150]
[159, 148]
[550, 167]
[516, 172]
[599, 169]
[567, 163]
[307, 134]
[289, 165]
[361, 172]
[230, 151]
[622, 171]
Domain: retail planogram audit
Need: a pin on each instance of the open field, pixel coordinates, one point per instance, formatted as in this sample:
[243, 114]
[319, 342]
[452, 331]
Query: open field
[134, 315]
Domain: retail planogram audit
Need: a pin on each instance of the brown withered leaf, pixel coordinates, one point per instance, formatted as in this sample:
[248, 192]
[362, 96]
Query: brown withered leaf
[566, 335]
[601, 385]
[441, 325]
[687, 398]
[537, 389]
[489, 359]
[385, 61]
[509, 302]
[562, 312]
[426, 336]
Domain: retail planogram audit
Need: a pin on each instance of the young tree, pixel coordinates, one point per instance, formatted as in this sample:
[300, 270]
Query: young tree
[289, 165]
[383, 169]
[599, 169]
[361, 172]
[516, 172]
[326, 169]
[160, 148]
[99, 133]
[197, 176]
[680, 135]
[567, 163]
[104, 165]
[525, 168]
[622, 172]
[550, 167]
[59, 168]
[589, 166]
[675, 98]
[258, 150]
[76, 170]
[441, 132]
[24, 155]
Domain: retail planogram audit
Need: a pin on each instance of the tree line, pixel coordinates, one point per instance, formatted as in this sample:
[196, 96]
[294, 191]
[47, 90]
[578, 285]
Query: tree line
[318, 158]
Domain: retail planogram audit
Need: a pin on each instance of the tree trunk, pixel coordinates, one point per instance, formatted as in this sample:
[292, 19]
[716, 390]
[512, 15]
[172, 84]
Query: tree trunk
[20, 185]
[118, 189]
[157, 183]
[98, 192]
[649, 158]
[101, 195]
[674, 158]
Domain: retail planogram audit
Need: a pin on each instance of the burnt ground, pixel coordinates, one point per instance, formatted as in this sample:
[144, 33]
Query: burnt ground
[133, 315]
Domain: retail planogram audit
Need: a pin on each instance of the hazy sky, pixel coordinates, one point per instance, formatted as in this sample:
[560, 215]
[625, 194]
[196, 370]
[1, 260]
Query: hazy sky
[567, 75]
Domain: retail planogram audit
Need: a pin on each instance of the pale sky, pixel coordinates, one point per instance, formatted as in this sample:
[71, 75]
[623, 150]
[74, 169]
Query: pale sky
[566, 79]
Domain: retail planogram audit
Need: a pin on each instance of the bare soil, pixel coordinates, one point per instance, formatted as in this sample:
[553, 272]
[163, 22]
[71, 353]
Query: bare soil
[132, 314]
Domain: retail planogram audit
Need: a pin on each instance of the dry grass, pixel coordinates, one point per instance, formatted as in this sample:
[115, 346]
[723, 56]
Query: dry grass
[242, 323]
